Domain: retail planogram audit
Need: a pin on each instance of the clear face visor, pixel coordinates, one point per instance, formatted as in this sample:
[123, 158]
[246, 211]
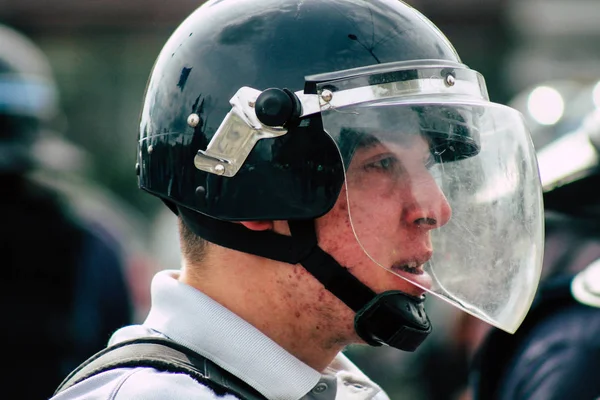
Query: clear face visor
[442, 186]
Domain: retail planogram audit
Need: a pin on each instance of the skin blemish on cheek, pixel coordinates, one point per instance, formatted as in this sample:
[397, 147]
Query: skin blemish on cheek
[297, 314]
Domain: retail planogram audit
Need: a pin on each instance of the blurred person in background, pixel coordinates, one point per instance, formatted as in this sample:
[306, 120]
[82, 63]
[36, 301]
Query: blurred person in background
[64, 288]
[556, 352]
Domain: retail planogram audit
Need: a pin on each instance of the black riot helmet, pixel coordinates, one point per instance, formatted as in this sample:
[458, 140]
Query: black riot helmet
[28, 99]
[258, 110]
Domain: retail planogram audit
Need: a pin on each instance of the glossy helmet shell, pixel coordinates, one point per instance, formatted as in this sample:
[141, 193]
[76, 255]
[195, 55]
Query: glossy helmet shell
[227, 44]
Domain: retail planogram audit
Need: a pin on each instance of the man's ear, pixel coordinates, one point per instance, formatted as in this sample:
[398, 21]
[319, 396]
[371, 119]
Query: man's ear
[258, 225]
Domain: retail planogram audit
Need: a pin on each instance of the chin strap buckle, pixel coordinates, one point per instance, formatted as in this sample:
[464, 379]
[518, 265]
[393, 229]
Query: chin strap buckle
[395, 319]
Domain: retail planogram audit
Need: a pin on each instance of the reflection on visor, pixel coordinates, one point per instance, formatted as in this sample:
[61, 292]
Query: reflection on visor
[450, 136]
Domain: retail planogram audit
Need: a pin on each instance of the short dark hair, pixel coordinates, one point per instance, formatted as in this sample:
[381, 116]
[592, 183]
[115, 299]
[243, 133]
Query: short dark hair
[193, 247]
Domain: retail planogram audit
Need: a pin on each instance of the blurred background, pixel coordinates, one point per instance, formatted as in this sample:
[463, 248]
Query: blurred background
[540, 56]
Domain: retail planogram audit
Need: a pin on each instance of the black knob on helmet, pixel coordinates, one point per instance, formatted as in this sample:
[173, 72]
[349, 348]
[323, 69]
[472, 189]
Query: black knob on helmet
[277, 107]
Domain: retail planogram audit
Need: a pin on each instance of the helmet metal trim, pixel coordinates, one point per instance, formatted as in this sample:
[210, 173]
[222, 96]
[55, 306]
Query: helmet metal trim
[234, 140]
[435, 85]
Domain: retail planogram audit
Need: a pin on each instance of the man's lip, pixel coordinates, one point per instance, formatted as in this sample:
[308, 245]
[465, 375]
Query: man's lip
[411, 269]
[416, 262]
[419, 281]
[417, 270]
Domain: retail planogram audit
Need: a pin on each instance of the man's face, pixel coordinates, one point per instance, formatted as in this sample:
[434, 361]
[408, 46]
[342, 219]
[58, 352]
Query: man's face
[384, 215]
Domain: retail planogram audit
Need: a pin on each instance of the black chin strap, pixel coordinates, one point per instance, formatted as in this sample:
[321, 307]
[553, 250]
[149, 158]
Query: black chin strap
[336, 279]
[393, 318]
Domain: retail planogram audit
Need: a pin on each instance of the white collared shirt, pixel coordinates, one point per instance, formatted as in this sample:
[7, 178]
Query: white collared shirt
[189, 317]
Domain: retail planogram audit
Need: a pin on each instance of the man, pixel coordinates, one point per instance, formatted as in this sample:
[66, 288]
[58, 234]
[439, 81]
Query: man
[306, 147]
[63, 288]
[556, 353]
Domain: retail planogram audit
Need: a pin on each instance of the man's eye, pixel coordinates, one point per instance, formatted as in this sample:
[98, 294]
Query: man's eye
[385, 164]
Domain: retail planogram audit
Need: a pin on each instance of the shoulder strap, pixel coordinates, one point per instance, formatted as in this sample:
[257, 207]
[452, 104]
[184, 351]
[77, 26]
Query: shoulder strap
[164, 355]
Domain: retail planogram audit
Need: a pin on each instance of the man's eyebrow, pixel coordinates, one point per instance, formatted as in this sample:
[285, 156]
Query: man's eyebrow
[367, 142]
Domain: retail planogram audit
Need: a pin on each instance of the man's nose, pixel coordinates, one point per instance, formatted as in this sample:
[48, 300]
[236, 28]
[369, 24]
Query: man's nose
[428, 207]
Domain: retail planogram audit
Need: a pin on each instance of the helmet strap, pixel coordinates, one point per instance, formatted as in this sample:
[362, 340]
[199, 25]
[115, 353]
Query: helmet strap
[392, 318]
